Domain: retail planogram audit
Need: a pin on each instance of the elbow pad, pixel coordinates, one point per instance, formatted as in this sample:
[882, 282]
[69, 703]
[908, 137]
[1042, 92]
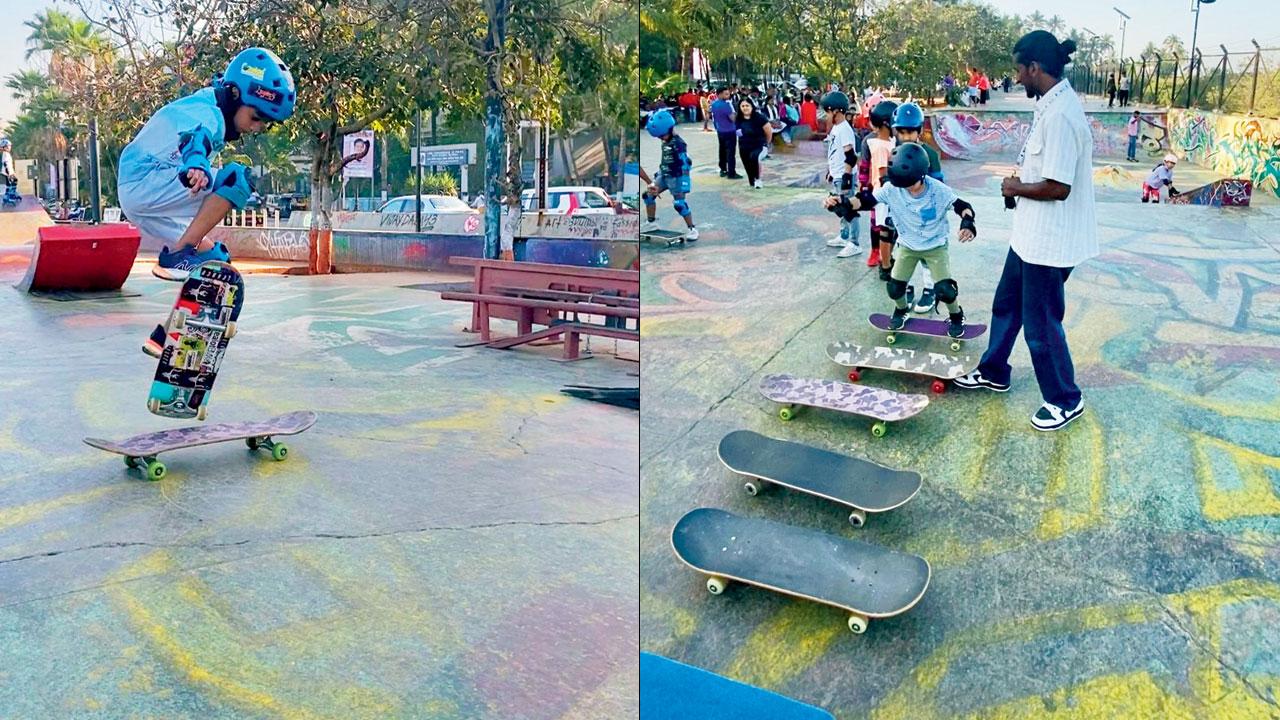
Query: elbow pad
[960, 206]
[851, 157]
[195, 146]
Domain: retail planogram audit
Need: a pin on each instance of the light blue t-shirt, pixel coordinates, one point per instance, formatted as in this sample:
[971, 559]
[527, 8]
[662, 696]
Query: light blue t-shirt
[1160, 176]
[155, 148]
[921, 221]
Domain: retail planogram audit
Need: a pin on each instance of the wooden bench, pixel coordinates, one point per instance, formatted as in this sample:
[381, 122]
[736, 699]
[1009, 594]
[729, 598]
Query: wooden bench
[555, 296]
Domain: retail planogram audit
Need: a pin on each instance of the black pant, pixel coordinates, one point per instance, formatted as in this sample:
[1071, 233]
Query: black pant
[751, 163]
[728, 143]
[1124, 98]
[1111, 98]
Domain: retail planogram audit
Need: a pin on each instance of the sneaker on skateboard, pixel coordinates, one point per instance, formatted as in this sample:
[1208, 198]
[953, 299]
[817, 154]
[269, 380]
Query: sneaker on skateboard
[926, 326]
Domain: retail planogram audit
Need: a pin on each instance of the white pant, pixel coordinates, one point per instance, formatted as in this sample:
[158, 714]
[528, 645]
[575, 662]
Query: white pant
[160, 207]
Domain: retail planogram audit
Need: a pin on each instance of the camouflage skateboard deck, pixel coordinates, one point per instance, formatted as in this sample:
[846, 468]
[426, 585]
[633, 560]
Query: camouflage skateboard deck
[860, 484]
[670, 237]
[867, 580]
[197, 331]
[904, 360]
[927, 327]
[884, 405]
[141, 450]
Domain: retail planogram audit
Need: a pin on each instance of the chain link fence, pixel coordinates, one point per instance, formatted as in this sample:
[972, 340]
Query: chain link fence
[1230, 82]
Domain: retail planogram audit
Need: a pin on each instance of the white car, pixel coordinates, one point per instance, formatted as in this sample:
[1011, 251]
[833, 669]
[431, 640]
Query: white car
[591, 200]
[431, 205]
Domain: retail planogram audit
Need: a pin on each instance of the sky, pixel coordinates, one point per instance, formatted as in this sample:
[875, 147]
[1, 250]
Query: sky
[1224, 22]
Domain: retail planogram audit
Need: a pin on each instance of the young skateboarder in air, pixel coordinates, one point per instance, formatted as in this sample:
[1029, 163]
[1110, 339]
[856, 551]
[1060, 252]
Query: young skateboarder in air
[673, 173]
[168, 188]
[918, 204]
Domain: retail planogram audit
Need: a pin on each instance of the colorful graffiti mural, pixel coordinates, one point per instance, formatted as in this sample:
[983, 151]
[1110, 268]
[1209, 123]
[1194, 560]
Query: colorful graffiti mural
[998, 135]
[1231, 192]
[1232, 145]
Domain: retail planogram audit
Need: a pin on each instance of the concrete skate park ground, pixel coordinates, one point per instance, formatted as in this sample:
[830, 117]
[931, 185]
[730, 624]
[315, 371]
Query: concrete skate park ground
[1127, 566]
[453, 539]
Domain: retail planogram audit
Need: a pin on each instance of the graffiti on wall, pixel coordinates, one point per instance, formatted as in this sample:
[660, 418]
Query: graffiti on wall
[1232, 145]
[999, 135]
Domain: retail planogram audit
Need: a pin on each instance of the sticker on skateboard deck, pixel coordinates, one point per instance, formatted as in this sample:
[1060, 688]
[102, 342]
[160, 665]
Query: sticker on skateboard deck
[671, 690]
[927, 327]
[141, 450]
[903, 360]
[859, 484]
[867, 580]
[670, 237]
[202, 322]
[884, 405]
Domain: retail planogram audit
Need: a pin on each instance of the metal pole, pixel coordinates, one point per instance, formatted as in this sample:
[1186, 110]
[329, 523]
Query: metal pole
[417, 162]
[1173, 93]
[1195, 31]
[95, 187]
[1155, 97]
[1222, 78]
[1257, 61]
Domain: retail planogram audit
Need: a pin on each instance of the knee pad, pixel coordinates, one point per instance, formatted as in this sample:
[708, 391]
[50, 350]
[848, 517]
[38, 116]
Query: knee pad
[650, 200]
[682, 207]
[886, 235]
[896, 288]
[946, 290]
[233, 184]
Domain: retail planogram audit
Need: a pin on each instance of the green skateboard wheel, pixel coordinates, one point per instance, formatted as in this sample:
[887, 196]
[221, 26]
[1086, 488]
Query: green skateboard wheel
[879, 429]
[156, 470]
[279, 452]
[787, 413]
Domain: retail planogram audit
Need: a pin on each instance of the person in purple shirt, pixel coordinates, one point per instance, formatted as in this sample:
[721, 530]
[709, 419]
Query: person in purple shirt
[727, 133]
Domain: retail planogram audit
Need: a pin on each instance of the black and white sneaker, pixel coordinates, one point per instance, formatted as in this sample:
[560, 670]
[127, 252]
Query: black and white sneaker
[955, 325]
[975, 380]
[899, 318]
[926, 302]
[1052, 417]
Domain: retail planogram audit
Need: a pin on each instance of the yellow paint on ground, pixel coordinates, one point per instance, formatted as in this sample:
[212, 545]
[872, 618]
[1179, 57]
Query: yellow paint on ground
[1257, 496]
[1059, 520]
[23, 514]
[787, 644]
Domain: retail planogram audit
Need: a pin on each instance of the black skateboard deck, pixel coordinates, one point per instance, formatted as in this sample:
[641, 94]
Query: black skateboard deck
[860, 484]
[670, 237]
[867, 580]
[927, 327]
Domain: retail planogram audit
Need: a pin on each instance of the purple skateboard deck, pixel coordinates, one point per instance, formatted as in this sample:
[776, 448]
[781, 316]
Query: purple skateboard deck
[905, 360]
[925, 326]
[884, 405]
[141, 450]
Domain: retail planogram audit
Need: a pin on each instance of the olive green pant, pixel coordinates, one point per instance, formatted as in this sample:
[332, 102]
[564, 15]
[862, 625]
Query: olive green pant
[904, 266]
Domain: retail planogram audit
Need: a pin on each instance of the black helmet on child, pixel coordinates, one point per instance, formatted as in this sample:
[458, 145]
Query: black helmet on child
[835, 100]
[882, 114]
[908, 164]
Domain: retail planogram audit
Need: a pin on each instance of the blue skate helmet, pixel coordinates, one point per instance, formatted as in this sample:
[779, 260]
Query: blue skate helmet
[5, 144]
[265, 83]
[660, 123]
[908, 117]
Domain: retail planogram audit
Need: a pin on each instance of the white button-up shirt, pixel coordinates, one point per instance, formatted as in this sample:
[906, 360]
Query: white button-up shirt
[1058, 233]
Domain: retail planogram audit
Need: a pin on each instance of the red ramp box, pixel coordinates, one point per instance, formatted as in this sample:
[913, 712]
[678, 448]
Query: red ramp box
[83, 258]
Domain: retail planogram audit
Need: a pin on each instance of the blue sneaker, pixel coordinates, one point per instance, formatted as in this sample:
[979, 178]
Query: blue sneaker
[177, 265]
[218, 252]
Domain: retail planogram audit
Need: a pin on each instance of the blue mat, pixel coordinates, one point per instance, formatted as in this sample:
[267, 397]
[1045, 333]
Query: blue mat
[671, 690]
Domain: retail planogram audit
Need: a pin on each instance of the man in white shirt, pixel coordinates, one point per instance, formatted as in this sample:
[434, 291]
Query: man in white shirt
[842, 158]
[1054, 229]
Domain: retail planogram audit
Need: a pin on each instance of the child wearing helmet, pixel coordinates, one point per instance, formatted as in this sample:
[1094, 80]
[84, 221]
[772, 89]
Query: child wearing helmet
[908, 123]
[8, 173]
[842, 158]
[919, 205]
[1160, 176]
[167, 186]
[673, 173]
[873, 162]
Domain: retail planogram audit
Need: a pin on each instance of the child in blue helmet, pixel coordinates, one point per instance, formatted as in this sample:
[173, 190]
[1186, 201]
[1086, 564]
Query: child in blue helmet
[908, 124]
[166, 184]
[673, 173]
[8, 173]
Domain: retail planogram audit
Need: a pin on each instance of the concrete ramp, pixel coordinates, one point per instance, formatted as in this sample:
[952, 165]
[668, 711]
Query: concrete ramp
[83, 257]
[1228, 192]
[19, 223]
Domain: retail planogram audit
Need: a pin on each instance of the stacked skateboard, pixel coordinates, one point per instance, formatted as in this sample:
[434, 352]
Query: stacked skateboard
[865, 580]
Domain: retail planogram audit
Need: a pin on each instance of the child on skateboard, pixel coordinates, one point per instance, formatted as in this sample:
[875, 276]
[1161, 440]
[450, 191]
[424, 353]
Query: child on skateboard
[908, 122]
[919, 204]
[673, 173]
[872, 165]
[168, 188]
[1160, 176]
[842, 158]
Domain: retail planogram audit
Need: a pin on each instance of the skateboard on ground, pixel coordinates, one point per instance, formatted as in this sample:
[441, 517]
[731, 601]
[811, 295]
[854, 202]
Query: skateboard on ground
[928, 327]
[141, 450]
[905, 360]
[884, 405]
[671, 690]
[202, 322]
[670, 237]
[867, 580]
[860, 484]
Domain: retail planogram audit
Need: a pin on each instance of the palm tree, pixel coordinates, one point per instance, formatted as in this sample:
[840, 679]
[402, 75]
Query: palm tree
[27, 84]
[1056, 25]
[1034, 21]
[1173, 45]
